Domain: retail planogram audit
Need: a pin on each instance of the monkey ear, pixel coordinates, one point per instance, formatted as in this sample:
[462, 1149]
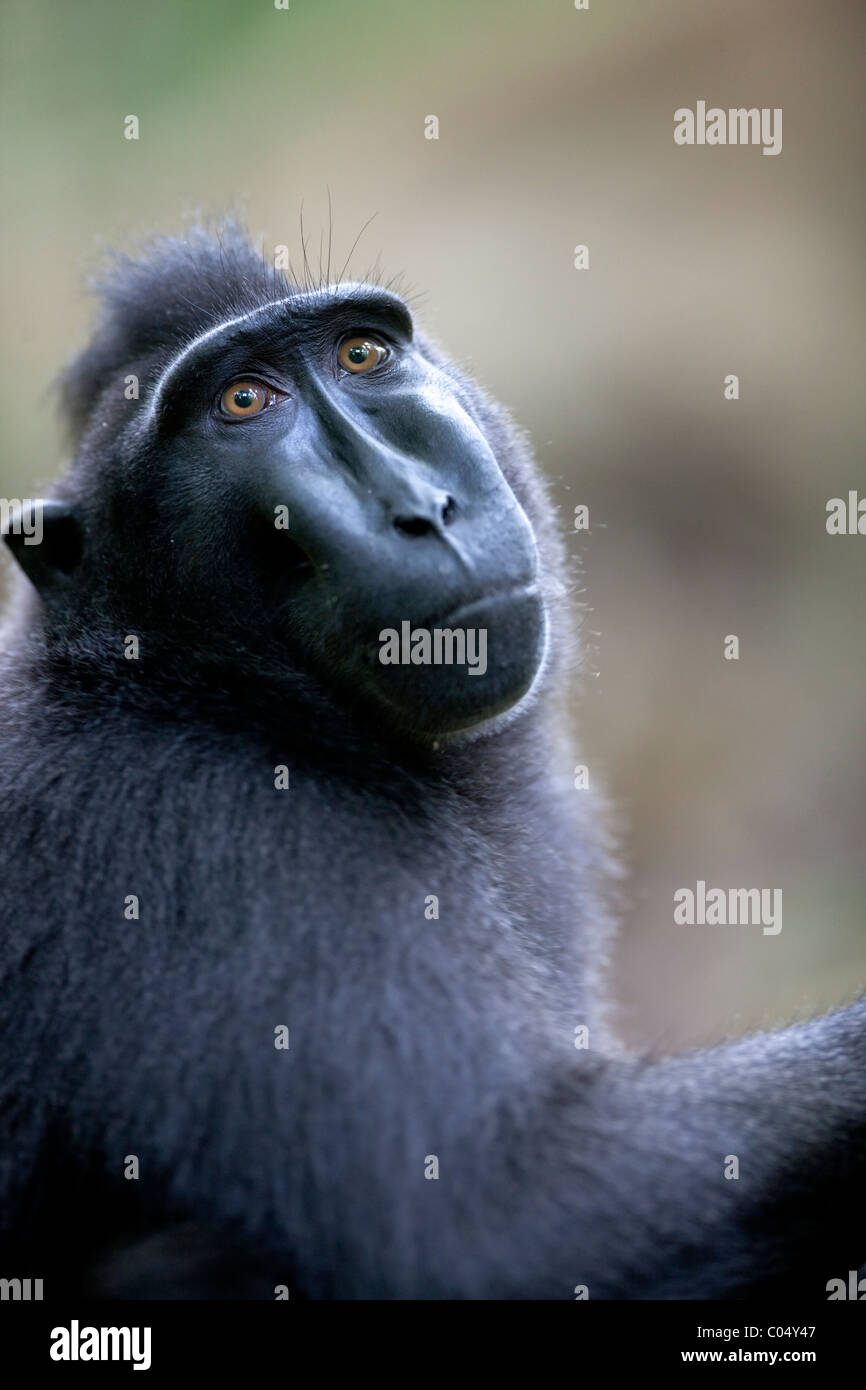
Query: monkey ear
[45, 538]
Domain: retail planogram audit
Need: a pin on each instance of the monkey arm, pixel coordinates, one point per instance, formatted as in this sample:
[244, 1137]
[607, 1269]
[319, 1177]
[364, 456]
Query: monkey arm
[725, 1172]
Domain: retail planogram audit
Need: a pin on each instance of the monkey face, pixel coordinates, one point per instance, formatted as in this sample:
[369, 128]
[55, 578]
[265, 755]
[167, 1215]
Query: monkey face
[382, 542]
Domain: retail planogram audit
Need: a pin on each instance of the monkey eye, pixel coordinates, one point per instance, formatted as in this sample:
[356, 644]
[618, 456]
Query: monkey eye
[361, 354]
[245, 398]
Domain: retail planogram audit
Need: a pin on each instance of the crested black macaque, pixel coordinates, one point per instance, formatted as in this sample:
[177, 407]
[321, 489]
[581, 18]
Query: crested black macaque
[296, 939]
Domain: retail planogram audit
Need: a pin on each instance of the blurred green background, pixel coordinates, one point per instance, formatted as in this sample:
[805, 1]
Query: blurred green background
[707, 515]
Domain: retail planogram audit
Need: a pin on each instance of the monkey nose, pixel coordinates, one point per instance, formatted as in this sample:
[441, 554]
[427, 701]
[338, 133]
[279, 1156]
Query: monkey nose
[429, 518]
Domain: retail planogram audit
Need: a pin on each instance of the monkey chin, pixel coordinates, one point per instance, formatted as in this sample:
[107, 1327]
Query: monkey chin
[444, 702]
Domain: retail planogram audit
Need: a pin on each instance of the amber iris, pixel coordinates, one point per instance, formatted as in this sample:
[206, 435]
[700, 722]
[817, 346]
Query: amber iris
[361, 354]
[245, 398]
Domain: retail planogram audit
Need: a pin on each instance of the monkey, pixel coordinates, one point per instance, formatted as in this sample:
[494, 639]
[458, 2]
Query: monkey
[298, 942]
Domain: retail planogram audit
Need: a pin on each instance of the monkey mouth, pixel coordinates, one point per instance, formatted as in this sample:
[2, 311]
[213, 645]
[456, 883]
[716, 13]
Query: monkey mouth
[424, 673]
[464, 613]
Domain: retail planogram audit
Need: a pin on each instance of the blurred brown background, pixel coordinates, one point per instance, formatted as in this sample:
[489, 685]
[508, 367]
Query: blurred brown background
[556, 128]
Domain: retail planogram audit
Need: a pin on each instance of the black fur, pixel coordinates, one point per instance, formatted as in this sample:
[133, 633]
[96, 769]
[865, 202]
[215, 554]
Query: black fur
[409, 1037]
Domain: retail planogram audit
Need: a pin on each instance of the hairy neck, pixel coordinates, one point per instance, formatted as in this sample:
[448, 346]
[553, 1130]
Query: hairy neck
[82, 671]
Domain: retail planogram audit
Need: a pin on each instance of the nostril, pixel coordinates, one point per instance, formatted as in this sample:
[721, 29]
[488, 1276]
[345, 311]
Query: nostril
[442, 510]
[413, 525]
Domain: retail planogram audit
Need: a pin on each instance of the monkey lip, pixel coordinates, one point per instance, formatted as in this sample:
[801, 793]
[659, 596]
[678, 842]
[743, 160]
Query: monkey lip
[432, 696]
[477, 606]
